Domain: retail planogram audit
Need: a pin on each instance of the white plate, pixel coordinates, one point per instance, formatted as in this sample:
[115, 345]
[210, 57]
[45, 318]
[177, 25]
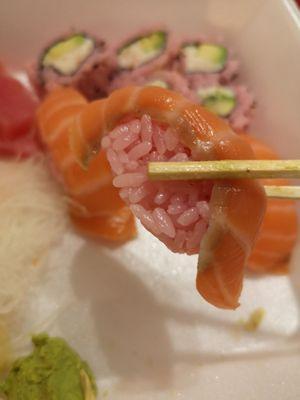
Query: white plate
[133, 312]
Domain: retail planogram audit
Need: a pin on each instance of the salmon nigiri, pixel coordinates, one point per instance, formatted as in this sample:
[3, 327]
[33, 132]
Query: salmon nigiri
[221, 218]
[278, 233]
[96, 208]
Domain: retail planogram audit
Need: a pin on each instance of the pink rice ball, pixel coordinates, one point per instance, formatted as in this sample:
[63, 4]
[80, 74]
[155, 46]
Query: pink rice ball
[176, 212]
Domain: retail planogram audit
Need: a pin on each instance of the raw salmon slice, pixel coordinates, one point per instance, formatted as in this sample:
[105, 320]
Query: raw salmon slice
[278, 233]
[96, 208]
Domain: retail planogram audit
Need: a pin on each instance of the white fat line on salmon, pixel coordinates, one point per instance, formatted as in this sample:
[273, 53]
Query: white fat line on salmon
[274, 236]
[104, 125]
[258, 267]
[133, 98]
[201, 150]
[210, 238]
[261, 147]
[80, 210]
[215, 229]
[129, 107]
[241, 237]
[56, 133]
[62, 106]
[236, 233]
[269, 254]
[77, 131]
[217, 225]
[119, 217]
[68, 161]
[50, 101]
[262, 268]
[91, 187]
[278, 206]
[225, 292]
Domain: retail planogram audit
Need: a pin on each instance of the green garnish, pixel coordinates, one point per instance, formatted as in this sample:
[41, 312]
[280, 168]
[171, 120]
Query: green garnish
[204, 57]
[219, 100]
[53, 371]
[67, 55]
[61, 48]
[155, 41]
[141, 50]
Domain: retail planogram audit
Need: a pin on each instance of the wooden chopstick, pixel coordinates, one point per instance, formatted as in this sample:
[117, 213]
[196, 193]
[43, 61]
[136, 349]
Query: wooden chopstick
[232, 169]
[225, 169]
[283, 192]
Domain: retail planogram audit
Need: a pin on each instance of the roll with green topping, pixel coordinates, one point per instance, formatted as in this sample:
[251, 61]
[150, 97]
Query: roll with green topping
[142, 54]
[205, 59]
[234, 103]
[76, 59]
[166, 79]
[144, 49]
[220, 100]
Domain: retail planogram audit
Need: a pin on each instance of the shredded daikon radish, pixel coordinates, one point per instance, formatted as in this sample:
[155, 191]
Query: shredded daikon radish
[33, 217]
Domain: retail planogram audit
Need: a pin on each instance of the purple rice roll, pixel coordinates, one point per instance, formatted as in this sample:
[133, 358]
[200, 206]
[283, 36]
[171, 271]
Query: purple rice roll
[166, 79]
[203, 60]
[77, 60]
[143, 53]
[170, 80]
[234, 103]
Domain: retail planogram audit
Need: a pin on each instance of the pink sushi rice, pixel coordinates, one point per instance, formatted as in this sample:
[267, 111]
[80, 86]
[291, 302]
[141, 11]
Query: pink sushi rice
[176, 212]
[242, 115]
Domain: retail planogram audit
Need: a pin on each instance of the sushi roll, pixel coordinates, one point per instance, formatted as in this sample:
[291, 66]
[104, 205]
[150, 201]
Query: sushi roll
[219, 220]
[77, 60]
[143, 50]
[233, 103]
[140, 55]
[165, 79]
[170, 80]
[202, 60]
